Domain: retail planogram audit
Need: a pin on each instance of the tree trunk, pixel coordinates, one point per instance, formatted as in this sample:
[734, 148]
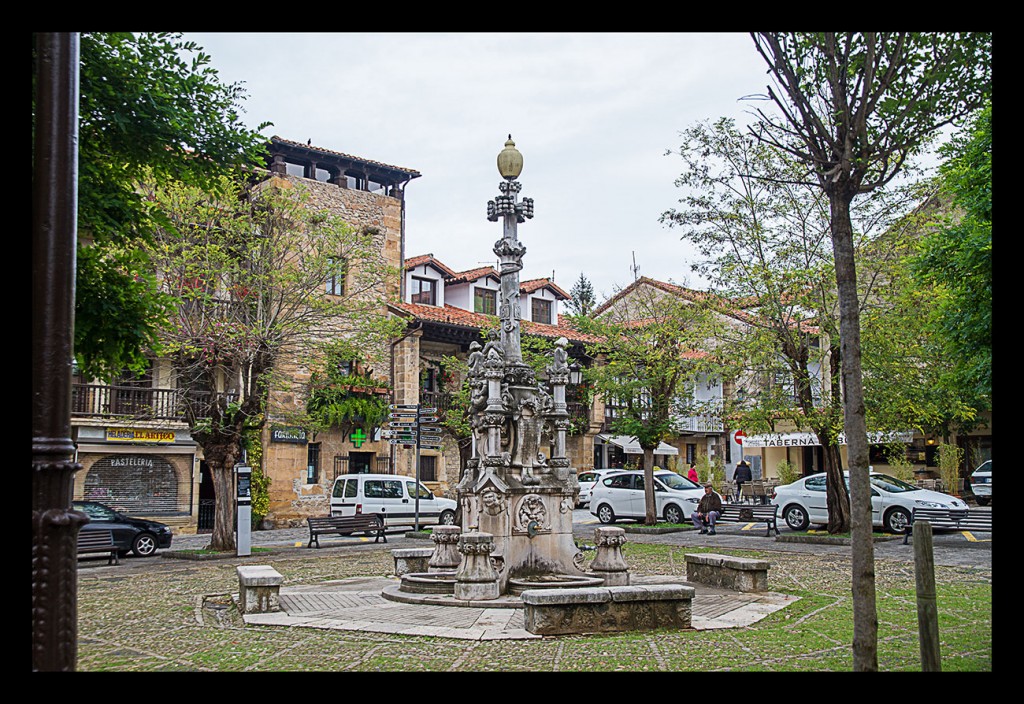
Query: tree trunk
[865, 617]
[650, 517]
[837, 500]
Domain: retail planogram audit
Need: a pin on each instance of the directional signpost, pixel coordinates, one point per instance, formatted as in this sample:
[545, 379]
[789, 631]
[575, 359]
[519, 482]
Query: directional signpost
[408, 426]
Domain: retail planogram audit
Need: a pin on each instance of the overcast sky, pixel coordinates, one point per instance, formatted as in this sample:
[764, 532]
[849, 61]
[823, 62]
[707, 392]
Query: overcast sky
[592, 113]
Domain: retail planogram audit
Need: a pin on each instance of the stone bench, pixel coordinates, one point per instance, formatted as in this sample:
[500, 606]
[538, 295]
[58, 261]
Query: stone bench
[259, 588]
[740, 574]
[411, 560]
[607, 609]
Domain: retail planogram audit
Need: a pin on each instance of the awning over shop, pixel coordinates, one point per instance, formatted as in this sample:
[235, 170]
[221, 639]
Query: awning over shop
[630, 446]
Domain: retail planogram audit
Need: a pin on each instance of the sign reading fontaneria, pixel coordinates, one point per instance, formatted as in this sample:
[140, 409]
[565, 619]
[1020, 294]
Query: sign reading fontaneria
[139, 435]
[282, 433]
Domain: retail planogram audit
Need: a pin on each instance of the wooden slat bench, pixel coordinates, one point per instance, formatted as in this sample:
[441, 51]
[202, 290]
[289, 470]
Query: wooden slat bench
[950, 519]
[752, 513]
[90, 541]
[345, 525]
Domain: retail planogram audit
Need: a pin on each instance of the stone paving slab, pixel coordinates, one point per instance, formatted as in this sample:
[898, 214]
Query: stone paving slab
[358, 605]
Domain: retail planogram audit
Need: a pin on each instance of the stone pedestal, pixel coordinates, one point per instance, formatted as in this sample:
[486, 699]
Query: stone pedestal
[446, 556]
[476, 578]
[259, 588]
[609, 562]
[411, 560]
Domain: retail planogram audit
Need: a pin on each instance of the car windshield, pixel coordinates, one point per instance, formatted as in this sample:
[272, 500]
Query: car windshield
[891, 484]
[674, 481]
[986, 467]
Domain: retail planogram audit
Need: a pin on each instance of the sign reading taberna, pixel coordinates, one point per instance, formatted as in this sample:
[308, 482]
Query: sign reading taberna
[141, 435]
[287, 433]
[811, 440]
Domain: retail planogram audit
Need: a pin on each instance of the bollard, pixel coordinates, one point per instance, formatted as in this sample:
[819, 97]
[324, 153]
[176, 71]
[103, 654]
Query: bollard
[927, 610]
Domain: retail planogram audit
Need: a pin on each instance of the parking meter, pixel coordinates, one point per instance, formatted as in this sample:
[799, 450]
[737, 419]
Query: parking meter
[243, 541]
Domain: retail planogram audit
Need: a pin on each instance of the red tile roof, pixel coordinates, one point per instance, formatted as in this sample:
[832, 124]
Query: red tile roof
[414, 262]
[457, 316]
[474, 275]
[536, 284]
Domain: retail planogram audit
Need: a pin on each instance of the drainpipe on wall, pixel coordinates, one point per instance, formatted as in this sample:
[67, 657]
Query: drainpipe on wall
[419, 326]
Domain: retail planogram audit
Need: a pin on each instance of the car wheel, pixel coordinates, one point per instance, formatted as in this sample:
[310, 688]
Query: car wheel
[144, 545]
[673, 514]
[447, 518]
[605, 514]
[983, 501]
[796, 517]
[897, 520]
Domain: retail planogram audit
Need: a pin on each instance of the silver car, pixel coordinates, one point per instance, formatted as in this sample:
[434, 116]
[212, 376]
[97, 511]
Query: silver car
[892, 501]
[981, 483]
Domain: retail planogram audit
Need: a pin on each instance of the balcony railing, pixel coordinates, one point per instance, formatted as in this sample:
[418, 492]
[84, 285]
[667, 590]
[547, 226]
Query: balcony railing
[94, 400]
[441, 400]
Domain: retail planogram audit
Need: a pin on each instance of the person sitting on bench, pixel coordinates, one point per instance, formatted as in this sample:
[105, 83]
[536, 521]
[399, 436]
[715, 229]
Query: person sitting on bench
[708, 511]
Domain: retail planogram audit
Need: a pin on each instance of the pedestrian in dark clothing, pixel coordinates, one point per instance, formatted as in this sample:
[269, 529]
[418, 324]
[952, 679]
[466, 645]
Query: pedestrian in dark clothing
[741, 475]
[708, 510]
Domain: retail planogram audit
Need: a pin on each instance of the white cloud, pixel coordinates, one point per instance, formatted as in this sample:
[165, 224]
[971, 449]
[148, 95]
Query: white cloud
[592, 113]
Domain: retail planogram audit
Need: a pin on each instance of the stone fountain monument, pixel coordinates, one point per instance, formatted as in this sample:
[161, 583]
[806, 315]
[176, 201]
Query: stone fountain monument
[516, 499]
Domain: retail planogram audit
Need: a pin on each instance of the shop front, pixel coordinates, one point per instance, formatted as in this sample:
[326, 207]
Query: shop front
[146, 472]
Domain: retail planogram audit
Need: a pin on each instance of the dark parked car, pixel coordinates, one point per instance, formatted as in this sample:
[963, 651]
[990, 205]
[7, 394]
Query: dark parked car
[138, 535]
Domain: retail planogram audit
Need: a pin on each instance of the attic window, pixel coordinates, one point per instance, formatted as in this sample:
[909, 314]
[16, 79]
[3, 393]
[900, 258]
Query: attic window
[541, 311]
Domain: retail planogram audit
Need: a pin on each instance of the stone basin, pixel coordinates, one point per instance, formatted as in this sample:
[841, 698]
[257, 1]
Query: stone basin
[517, 585]
[440, 582]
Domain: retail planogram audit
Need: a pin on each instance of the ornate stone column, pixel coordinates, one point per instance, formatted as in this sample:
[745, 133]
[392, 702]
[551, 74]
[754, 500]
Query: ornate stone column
[476, 578]
[446, 557]
[609, 562]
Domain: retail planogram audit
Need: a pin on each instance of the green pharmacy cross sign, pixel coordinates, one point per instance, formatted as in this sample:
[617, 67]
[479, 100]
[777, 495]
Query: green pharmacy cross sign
[358, 437]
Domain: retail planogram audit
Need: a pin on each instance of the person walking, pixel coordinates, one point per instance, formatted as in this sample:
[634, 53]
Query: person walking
[709, 508]
[741, 475]
[692, 474]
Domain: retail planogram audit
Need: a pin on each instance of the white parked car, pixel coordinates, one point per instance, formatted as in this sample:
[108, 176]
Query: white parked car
[981, 483]
[393, 496]
[620, 494]
[892, 501]
[587, 480]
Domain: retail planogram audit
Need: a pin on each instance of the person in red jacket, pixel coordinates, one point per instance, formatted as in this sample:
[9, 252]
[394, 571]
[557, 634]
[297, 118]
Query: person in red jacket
[692, 474]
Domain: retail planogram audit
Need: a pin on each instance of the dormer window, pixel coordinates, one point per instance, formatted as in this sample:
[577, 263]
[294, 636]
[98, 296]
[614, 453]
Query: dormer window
[424, 291]
[541, 311]
[485, 301]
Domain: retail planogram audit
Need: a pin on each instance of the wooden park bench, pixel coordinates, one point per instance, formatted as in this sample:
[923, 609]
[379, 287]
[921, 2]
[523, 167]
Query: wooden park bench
[345, 525]
[950, 519]
[90, 541]
[751, 513]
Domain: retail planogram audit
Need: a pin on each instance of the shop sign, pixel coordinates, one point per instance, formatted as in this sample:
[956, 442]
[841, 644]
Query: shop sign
[288, 434]
[140, 435]
[811, 440]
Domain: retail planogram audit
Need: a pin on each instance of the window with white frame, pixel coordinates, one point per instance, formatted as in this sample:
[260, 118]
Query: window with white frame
[424, 291]
[485, 301]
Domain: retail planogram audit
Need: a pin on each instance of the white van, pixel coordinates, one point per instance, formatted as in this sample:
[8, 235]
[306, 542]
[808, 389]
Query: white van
[391, 495]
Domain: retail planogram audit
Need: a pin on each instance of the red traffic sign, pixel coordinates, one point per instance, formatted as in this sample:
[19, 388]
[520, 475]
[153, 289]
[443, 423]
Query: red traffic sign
[738, 437]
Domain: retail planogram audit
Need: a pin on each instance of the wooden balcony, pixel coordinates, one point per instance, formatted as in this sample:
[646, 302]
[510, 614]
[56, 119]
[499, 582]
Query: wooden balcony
[132, 402]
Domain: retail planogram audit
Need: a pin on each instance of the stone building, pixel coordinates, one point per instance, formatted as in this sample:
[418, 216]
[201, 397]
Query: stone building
[136, 452]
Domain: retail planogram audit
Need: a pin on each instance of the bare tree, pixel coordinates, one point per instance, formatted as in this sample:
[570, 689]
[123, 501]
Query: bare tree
[855, 106]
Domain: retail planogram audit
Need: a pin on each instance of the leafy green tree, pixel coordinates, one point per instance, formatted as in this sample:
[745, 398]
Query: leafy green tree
[149, 103]
[854, 107]
[654, 352]
[583, 299]
[248, 270]
[341, 394]
[957, 259]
